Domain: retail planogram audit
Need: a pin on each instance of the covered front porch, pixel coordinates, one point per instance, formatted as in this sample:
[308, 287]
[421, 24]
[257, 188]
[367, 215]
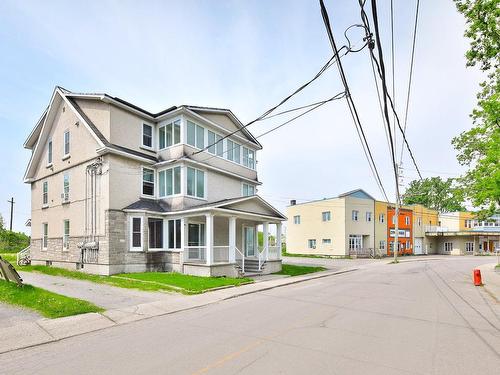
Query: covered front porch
[222, 244]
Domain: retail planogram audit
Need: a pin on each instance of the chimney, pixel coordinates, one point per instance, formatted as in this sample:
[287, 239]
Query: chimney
[293, 202]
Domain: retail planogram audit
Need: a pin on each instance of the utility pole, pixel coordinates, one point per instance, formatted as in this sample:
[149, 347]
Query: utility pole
[11, 212]
[396, 230]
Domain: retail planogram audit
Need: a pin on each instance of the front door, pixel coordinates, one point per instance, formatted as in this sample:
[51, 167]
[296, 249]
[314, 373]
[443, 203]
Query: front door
[249, 241]
[418, 246]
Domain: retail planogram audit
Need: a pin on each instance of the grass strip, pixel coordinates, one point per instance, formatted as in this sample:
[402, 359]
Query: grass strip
[294, 270]
[50, 305]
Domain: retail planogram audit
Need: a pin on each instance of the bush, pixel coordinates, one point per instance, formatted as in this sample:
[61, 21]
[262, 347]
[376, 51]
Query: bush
[12, 242]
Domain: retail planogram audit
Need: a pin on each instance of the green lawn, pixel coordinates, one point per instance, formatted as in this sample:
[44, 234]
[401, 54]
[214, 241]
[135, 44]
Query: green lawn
[9, 257]
[148, 281]
[293, 270]
[48, 304]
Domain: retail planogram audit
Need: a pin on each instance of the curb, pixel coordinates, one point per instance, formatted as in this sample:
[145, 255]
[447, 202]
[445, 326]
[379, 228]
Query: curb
[52, 330]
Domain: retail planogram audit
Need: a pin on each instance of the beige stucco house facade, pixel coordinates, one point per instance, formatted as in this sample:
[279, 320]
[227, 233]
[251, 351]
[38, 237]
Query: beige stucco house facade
[115, 188]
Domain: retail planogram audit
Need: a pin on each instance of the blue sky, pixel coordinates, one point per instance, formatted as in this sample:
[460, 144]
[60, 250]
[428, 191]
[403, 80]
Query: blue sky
[243, 55]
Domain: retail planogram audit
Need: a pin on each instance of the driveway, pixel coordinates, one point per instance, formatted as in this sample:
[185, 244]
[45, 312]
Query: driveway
[422, 317]
[106, 296]
[11, 316]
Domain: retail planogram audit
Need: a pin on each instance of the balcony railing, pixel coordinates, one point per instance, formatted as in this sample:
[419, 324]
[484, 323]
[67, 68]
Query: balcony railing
[435, 228]
[195, 254]
[366, 252]
[221, 254]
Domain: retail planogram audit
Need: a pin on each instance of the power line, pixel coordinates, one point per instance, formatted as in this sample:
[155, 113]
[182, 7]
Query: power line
[350, 102]
[411, 73]
[393, 67]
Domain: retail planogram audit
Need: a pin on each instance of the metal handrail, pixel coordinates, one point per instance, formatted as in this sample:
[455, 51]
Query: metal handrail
[261, 254]
[237, 251]
[23, 254]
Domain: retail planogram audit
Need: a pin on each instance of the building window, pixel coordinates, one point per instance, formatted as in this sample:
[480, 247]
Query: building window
[248, 158]
[326, 216]
[169, 134]
[408, 244]
[66, 143]
[419, 221]
[407, 220]
[248, 190]
[368, 216]
[215, 144]
[66, 235]
[195, 135]
[147, 135]
[136, 233]
[45, 238]
[148, 182]
[155, 228]
[355, 215]
[448, 246]
[174, 234]
[381, 218]
[233, 151]
[45, 193]
[195, 183]
[469, 247]
[327, 241]
[355, 242]
[66, 187]
[296, 219]
[311, 244]
[49, 152]
[169, 181]
[381, 245]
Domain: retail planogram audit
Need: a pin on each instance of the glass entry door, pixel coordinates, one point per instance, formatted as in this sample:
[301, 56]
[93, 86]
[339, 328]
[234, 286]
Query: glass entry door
[249, 241]
[196, 241]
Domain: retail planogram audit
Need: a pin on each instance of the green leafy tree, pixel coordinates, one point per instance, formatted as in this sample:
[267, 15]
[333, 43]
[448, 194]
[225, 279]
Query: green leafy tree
[434, 193]
[2, 223]
[479, 147]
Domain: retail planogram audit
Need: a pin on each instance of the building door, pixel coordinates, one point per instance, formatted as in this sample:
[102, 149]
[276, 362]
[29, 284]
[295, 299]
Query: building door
[249, 241]
[196, 241]
[417, 248]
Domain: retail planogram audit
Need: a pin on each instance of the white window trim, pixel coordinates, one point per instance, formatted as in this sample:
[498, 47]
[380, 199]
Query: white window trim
[296, 222]
[444, 247]
[131, 229]
[66, 248]
[326, 241]
[165, 123]
[65, 154]
[312, 243]
[43, 235]
[180, 194]
[45, 205]
[355, 217]
[50, 162]
[155, 179]
[166, 236]
[368, 216]
[249, 185]
[164, 227]
[381, 218]
[328, 218]
[153, 138]
[204, 198]
[471, 246]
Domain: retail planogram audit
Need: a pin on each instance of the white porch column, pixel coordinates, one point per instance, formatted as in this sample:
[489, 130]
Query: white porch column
[232, 239]
[183, 241]
[265, 228]
[278, 238]
[209, 237]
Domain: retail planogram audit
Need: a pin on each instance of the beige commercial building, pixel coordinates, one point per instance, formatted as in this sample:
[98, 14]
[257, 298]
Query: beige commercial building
[115, 188]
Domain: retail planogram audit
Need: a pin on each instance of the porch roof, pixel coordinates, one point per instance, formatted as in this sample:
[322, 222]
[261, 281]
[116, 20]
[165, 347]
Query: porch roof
[253, 205]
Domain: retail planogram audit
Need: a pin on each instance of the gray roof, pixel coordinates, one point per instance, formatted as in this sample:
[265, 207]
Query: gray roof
[149, 205]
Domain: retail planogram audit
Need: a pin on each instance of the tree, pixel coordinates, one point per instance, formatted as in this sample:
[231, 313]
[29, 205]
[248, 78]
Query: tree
[2, 223]
[479, 147]
[434, 193]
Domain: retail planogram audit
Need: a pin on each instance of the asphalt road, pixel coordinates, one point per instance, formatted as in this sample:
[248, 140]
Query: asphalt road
[422, 317]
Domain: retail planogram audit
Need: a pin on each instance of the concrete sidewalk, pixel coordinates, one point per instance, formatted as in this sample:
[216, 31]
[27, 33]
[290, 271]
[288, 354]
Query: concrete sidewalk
[50, 330]
[491, 280]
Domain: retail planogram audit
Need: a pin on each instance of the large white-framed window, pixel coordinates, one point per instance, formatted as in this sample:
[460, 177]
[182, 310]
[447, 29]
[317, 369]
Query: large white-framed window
[354, 215]
[326, 241]
[169, 181]
[195, 182]
[248, 158]
[326, 216]
[368, 216]
[66, 143]
[233, 151]
[311, 244]
[45, 193]
[469, 247]
[155, 233]
[45, 235]
[448, 246]
[148, 182]
[49, 152]
[195, 135]
[169, 134]
[247, 189]
[355, 242]
[296, 219]
[381, 245]
[136, 230]
[215, 143]
[174, 234]
[381, 218]
[147, 135]
[65, 196]
[66, 234]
